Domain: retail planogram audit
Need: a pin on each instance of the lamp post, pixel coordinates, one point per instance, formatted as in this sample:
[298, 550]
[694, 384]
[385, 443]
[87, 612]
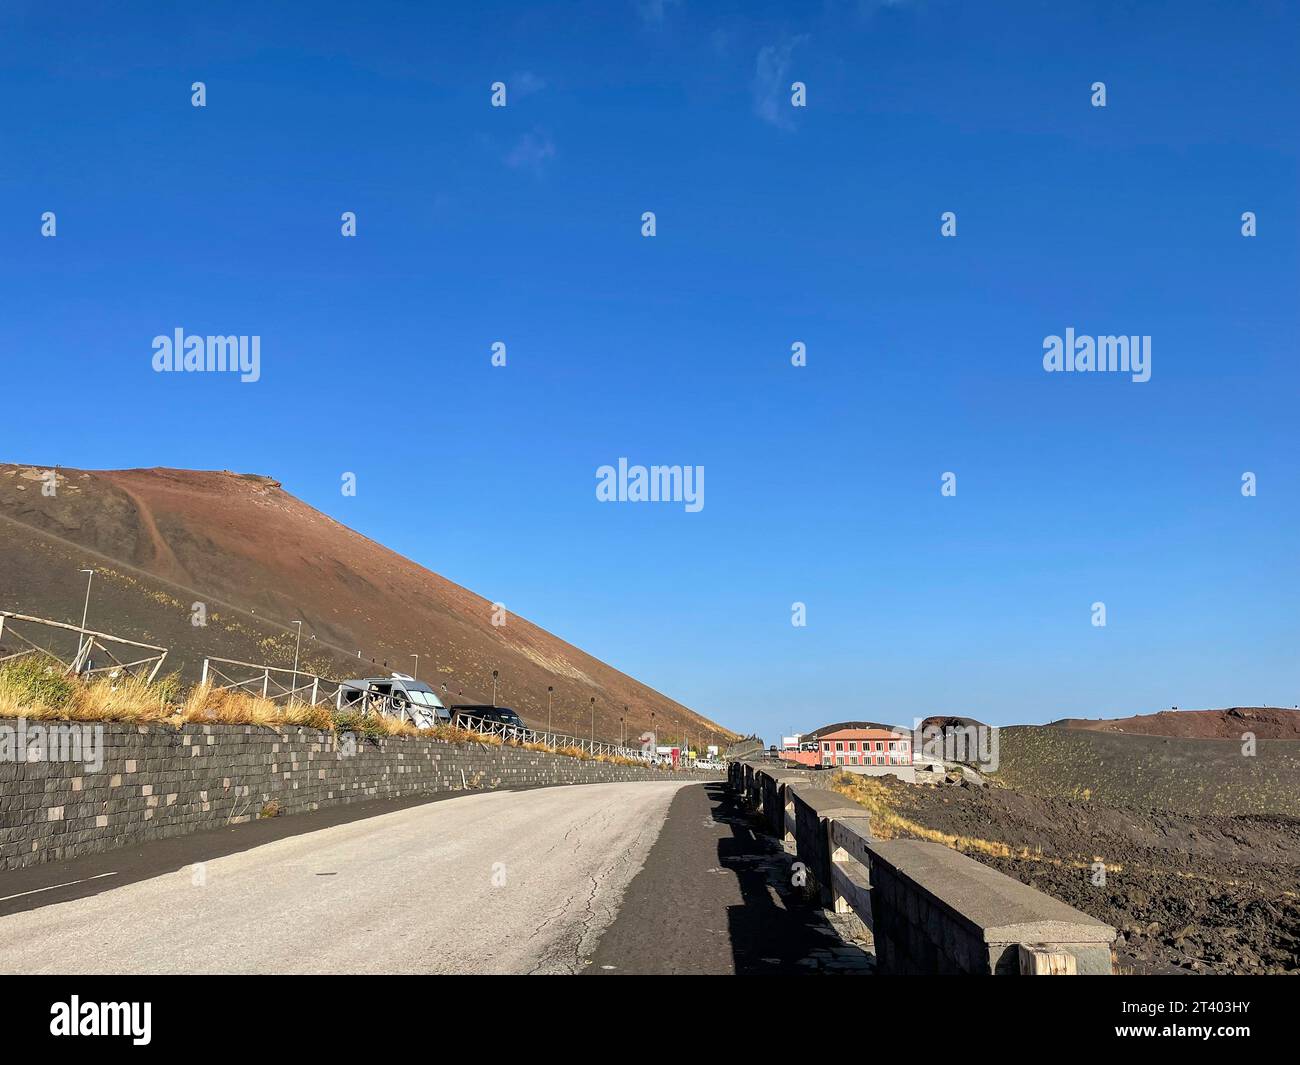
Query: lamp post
[296, 649]
[494, 687]
[549, 688]
[593, 724]
[81, 640]
[622, 727]
[416, 674]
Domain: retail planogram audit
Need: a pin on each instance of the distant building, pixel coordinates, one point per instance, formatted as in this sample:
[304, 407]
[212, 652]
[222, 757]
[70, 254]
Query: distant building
[865, 746]
[790, 743]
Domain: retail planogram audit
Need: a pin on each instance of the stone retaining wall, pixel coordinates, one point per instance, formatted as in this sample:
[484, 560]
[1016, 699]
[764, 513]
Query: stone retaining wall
[156, 781]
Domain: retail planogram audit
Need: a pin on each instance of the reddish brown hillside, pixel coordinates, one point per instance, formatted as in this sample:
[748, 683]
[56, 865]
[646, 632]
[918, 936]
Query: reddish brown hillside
[1266, 722]
[261, 559]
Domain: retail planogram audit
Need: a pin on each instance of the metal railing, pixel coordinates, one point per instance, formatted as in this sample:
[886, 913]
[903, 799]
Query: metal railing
[524, 734]
[89, 643]
[280, 684]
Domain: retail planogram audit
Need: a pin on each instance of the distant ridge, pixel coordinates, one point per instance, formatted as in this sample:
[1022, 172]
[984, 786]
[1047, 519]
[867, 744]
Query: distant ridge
[1266, 722]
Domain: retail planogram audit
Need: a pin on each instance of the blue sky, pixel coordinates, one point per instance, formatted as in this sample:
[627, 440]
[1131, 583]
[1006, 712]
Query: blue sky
[522, 224]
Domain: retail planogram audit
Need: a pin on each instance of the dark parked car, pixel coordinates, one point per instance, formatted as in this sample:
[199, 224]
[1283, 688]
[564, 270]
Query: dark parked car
[493, 715]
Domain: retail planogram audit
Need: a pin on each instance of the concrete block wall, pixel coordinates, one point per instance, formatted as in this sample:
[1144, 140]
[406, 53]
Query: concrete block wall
[156, 781]
[931, 909]
[935, 910]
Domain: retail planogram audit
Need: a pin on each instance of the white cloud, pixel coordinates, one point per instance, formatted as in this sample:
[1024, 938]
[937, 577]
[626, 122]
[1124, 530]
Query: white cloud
[772, 82]
[653, 12]
[525, 83]
[532, 152]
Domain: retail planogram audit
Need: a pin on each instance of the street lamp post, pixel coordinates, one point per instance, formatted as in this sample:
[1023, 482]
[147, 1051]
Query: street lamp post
[549, 688]
[622, 727]
[81, 640]
[494, 687]
[416, 674]
[593, 724]
[296, 649]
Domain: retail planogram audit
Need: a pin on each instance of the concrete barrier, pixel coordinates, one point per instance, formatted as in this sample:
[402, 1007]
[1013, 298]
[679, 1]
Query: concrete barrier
[931, 909]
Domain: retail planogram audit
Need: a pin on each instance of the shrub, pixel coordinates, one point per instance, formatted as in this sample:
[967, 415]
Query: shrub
[33, 683]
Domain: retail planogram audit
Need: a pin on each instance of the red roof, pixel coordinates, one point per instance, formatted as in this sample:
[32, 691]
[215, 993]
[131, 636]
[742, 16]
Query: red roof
[864, 734]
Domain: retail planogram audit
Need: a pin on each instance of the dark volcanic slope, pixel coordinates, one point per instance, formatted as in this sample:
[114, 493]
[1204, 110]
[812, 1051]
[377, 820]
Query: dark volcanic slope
[1266, 722]
[1189, 776]
[1202, 893]
[261, 559]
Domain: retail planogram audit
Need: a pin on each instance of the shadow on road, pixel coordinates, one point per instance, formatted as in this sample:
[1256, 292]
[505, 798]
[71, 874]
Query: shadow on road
[714, 897]
[779, 928]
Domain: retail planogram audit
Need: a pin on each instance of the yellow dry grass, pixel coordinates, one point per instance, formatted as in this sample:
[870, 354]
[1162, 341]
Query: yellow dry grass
[36, 688]
[888, 823]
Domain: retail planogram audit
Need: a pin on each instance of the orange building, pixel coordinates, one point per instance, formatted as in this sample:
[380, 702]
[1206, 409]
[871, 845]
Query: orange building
[865, 746]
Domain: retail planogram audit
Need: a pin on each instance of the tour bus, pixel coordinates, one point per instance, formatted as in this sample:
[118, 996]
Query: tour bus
[398, 696]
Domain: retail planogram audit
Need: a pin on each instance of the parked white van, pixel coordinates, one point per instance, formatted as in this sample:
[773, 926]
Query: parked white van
[399, 696]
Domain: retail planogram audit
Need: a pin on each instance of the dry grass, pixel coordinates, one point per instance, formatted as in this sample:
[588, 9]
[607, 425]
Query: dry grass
[573, 752]
[452, 734]
[36, 688]
[206, 705]
[887, 823]
[618, 759]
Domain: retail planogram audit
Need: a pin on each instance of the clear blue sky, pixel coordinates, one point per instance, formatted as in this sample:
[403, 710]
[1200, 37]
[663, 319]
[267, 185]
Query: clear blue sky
[522, 224]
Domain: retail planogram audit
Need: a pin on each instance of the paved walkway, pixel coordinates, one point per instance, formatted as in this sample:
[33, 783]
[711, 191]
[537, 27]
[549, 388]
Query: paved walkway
[714, 896]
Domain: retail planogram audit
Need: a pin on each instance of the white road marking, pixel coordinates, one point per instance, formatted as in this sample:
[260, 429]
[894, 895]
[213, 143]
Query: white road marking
[55, 887]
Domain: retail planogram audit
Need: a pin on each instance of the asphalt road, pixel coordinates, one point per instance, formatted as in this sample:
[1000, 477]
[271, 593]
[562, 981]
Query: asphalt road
[496, 882]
